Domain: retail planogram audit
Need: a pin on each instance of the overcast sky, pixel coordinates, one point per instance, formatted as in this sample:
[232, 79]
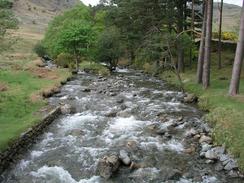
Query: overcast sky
[237, 2]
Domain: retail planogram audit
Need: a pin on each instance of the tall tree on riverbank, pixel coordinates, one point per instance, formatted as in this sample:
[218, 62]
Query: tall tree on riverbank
[180, 28]
[220, 8]
[236, 73]
[202, 46]
[207, 50]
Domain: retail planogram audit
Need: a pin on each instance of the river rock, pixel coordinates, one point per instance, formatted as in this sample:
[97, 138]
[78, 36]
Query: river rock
[232, 164]
[219, 167]
[190, 98]
[224, 157]
[120, 101]
[123, 107]
[111, 114]
[87, 90]
[191, 133]
[108, 165]
[219, 150]
[124, 157]
[205, 147]
[66, 109]
[205, 139]
[210, 154]
[233, 174]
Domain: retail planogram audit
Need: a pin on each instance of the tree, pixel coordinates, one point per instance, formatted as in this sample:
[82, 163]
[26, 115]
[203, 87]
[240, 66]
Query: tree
[7, 21]
[207, 50]
[75, 38]
[109, 47]
[180, 28]
[202, 46]
[236, 73]
[80, 13]
[220, 7]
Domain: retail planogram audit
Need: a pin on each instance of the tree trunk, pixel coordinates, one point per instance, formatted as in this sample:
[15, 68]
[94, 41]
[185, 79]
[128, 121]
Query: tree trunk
[180, 28]
[236, 73]
[220, 34]
[192, 27]
[202, 45]
[207, 49]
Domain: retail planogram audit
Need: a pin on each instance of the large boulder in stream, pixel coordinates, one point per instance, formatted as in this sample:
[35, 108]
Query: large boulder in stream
[108, 165]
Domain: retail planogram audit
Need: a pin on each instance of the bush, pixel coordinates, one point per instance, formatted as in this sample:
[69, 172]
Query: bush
[149, 68]
[40, 50]
[230, 36]
[65, 60]
[94, 68]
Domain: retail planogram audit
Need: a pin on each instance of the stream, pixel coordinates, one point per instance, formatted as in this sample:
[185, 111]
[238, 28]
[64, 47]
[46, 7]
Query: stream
[126, 111]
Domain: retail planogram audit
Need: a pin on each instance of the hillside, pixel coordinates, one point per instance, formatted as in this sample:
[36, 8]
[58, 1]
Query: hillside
[231, 17]
[35, 14]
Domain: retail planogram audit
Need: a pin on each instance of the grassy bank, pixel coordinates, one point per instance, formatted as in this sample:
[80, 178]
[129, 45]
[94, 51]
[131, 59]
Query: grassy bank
[225, 113]
[22, 83]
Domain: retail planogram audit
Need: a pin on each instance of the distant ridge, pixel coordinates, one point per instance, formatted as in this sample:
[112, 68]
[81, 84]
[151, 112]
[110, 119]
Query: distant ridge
[231, 17]
[36, 14]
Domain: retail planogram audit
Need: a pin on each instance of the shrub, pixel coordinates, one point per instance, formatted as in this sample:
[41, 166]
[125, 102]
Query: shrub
[231, 36]
[65, 60]
[40, 50]
[94, 68]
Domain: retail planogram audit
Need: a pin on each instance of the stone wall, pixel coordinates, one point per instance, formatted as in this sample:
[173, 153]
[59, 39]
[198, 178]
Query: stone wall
[22, 144]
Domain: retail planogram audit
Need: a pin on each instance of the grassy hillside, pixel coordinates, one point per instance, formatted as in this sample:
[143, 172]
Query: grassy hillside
[22, 80]
[35, 14]
[231, 17]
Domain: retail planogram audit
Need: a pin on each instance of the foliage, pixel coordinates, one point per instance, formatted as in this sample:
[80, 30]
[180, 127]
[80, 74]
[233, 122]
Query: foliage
[230, 36]
[76, 37]
[40, 50]
[56, 27]
[95, 68]
[109, 47]
[65, 60]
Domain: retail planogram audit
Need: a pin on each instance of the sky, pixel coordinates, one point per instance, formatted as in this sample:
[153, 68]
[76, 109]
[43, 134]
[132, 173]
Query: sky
[237, 2]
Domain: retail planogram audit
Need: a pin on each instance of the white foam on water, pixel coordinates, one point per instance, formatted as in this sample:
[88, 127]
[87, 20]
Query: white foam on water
[122, 70]
[59, 174]
[154, 142]
[125, 124]
[23, 164]
[150, 173]
[76, 121]
[209, 179]
[47, 139]
[175, 145]
[36, 154]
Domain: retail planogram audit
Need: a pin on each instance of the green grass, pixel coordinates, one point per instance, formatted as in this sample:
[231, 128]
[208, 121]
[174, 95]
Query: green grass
[16, 108]
[225, 112]
[95, 68]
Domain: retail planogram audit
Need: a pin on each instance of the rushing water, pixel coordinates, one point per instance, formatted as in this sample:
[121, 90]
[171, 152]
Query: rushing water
[70, 149]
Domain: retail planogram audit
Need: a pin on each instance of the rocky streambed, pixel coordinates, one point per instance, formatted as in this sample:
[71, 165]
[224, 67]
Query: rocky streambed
[124, 128]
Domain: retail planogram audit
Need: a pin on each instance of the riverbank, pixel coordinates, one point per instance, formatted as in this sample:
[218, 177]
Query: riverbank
[23, 82]
[225, 113]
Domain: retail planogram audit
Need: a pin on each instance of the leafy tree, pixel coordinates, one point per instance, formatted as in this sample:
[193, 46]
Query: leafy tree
[75, 38]
[109, 47]
[81, 13]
